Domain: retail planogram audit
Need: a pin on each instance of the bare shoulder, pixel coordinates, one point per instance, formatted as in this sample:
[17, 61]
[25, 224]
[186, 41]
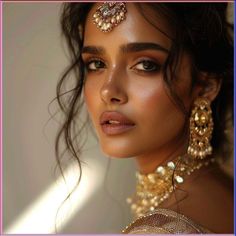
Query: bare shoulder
[207, 198]
[210, 200]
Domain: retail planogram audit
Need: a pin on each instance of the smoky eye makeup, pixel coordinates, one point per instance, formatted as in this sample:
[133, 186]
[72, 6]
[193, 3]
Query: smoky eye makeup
[141, 66]
[147, 66]
[136, 62]
[94, 64]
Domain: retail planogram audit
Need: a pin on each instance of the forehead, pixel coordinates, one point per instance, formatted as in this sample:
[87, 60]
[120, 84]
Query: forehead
[135, 28]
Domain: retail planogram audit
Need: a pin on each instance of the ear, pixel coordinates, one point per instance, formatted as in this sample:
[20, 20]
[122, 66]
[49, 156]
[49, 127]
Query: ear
[209, 86]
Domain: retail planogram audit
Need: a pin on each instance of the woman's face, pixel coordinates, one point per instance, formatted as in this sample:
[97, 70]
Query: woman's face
[124, 88]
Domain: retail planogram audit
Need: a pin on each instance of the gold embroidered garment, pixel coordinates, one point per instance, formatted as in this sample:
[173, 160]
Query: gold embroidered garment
[164, 221]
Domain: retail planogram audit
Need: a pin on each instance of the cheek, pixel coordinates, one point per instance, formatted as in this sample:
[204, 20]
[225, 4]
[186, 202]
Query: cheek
[91, 96]
[152, 100]
[157, 111]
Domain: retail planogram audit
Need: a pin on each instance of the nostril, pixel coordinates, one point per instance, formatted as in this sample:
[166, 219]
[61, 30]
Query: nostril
[115, 100]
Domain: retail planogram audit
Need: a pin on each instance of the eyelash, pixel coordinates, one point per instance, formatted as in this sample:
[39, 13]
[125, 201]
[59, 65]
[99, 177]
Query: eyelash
[156, 67]
[94, 60]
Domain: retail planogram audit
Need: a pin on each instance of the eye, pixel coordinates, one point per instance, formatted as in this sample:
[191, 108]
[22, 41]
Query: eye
[147, 66]
[94, 65]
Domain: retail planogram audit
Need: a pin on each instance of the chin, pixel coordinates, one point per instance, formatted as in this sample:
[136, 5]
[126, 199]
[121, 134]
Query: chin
[120, 146]
[117, 152]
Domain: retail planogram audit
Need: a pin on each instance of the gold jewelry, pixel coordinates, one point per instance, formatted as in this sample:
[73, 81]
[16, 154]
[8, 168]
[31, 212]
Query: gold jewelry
[109, 15]
[201, 127]
[154, 188]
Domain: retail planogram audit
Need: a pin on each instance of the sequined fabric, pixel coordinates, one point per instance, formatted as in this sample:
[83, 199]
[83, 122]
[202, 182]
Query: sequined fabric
[164, 221]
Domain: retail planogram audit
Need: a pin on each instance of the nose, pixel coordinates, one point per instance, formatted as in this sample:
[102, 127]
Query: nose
[113, 90]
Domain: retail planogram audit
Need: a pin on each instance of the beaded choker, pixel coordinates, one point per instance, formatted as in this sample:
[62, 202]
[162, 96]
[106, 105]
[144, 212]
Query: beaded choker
[153, 188]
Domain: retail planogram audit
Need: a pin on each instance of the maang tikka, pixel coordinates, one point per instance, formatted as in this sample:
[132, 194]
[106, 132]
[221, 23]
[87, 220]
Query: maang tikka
[109, 15]
[201, 128]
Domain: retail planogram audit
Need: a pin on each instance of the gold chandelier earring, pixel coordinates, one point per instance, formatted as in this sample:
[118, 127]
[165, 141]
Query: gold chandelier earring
[201, 127]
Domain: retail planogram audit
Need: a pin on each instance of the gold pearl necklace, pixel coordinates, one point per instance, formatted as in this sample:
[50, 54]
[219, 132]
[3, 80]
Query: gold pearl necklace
[154, 188]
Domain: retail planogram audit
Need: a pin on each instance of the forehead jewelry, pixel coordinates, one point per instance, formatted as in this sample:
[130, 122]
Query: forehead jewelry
[109, 15]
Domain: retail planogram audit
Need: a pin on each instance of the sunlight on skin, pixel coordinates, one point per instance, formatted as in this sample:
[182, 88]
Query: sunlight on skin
[40, 216]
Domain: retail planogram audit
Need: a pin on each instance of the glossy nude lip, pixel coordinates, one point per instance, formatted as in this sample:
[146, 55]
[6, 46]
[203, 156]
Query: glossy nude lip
[113, 122]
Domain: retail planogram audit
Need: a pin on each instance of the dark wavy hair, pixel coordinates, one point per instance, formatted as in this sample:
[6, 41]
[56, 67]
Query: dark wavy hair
[200, 29]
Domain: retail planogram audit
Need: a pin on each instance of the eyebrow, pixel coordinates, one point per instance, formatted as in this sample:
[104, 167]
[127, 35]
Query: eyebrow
[93, 50]
[137, 47]
[127, 48]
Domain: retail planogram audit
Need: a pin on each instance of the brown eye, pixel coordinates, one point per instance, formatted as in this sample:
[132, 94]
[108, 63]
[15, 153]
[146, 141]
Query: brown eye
[147, 65]
[94, 65]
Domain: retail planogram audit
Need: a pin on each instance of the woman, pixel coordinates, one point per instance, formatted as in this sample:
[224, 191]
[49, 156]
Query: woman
[157, 81]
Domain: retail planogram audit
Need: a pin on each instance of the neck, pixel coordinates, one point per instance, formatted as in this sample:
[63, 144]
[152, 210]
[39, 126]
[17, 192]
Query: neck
[148, 162]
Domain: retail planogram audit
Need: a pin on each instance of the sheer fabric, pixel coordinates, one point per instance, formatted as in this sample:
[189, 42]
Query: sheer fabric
[164, 221]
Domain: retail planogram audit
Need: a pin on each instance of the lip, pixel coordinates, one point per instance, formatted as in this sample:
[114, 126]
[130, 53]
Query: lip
[113, 122]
